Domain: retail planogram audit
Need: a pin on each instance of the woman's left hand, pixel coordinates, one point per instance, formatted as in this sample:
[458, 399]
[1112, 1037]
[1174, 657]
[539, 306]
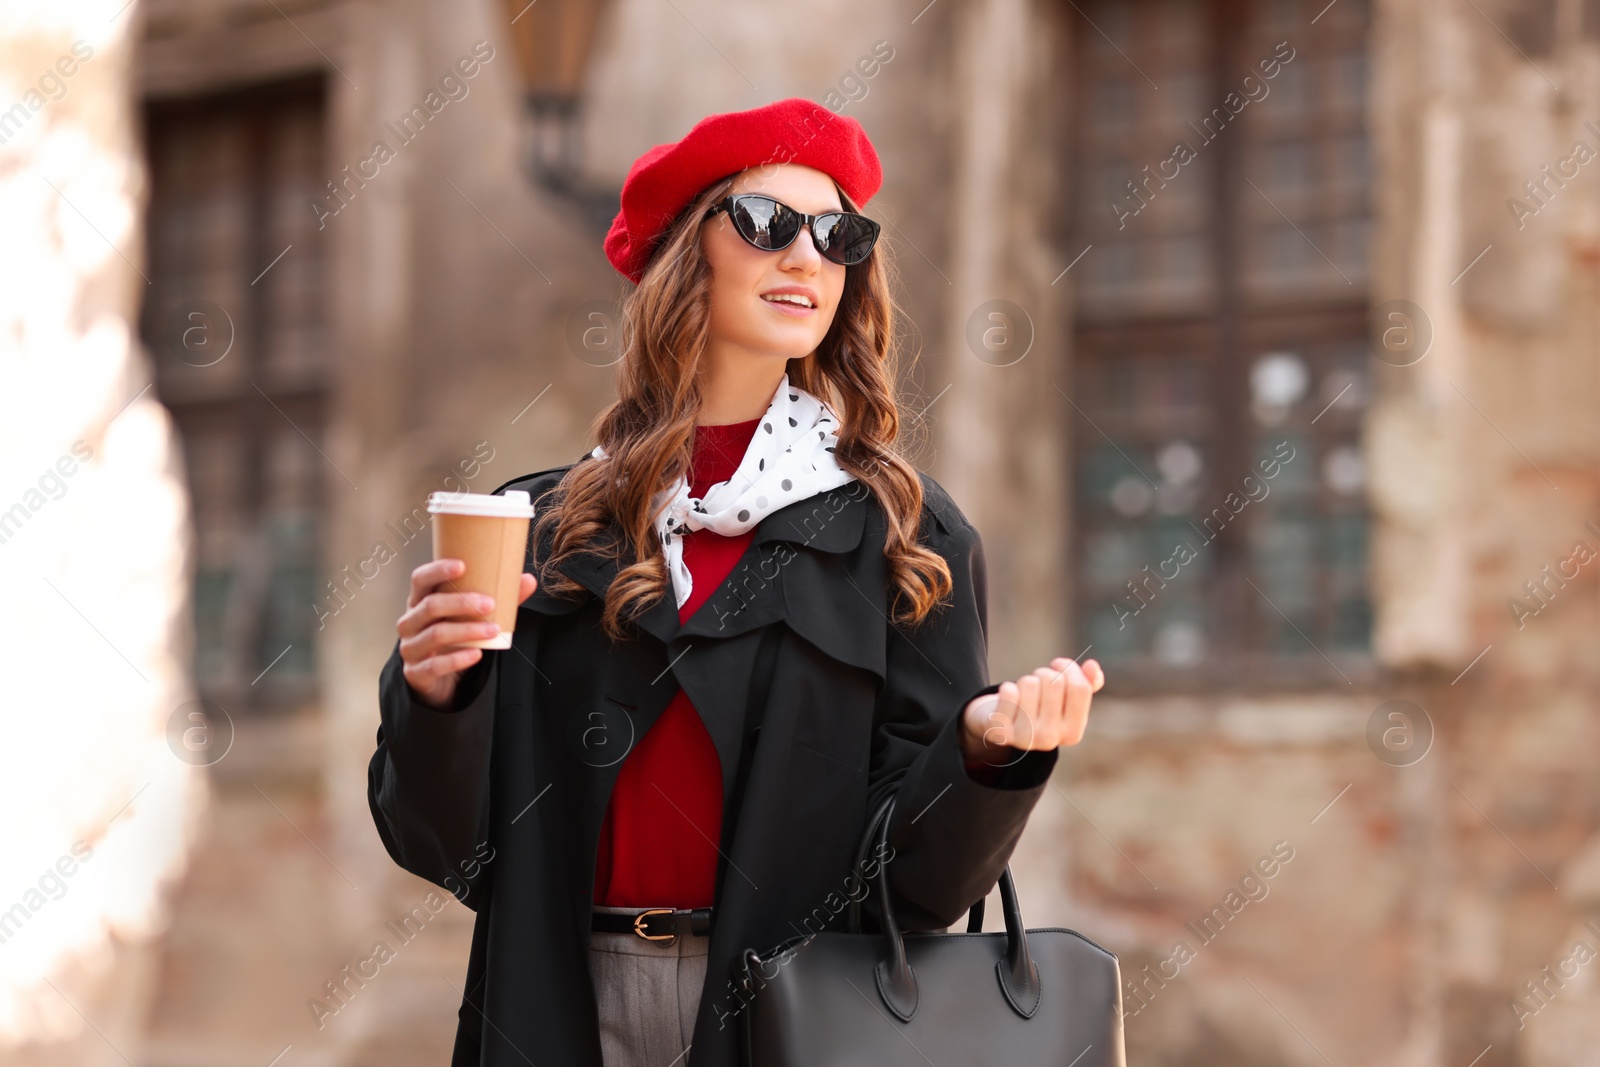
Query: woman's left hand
[1042, 710]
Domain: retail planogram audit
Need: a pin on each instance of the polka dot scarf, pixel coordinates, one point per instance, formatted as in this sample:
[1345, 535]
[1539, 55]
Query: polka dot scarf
[790, 458]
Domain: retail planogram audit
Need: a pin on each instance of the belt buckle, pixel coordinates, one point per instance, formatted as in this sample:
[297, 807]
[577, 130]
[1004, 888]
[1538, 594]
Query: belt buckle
[638, 925]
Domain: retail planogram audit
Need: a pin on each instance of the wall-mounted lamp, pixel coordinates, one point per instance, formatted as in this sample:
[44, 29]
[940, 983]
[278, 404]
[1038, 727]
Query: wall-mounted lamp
[554, 40]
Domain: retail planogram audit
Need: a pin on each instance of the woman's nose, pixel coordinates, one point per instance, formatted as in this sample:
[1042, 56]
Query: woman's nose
[804, 248]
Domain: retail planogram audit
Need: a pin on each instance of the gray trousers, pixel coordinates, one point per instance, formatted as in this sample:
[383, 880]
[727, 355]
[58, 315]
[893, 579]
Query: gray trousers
[648, 993]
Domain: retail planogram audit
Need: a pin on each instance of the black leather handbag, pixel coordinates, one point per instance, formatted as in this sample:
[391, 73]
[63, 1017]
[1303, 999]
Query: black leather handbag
[1023, 998]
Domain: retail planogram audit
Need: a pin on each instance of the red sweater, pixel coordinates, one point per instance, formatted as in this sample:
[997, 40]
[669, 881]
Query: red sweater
[658, 843]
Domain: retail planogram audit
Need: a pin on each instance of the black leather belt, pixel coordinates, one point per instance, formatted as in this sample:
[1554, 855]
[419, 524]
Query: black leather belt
[656, 924]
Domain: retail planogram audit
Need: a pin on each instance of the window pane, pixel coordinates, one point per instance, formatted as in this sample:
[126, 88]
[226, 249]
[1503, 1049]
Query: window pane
[235, 319]
[1220, 484]
[1143, 208]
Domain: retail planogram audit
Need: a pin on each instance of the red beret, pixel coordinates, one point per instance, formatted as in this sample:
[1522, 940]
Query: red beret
[663, 180]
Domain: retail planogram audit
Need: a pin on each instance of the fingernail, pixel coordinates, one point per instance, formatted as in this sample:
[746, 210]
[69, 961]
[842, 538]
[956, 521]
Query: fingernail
[485, 603]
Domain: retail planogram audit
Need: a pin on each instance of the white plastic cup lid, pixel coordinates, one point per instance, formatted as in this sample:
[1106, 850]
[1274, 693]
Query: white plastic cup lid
[512, 504]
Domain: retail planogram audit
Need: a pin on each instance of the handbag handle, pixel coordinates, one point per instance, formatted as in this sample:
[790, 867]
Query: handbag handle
[897, 984]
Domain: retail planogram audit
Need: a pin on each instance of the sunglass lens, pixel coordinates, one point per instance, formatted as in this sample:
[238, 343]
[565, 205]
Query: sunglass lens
[847, 238]
[764, 222]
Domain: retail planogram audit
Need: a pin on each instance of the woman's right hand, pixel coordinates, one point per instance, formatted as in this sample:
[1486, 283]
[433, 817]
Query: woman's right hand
[435, 621]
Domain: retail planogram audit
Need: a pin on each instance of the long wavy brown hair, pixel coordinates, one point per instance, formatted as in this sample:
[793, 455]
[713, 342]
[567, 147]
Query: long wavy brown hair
[648, 432]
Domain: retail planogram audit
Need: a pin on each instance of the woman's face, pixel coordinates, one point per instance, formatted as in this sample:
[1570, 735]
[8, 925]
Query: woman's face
[743, 277]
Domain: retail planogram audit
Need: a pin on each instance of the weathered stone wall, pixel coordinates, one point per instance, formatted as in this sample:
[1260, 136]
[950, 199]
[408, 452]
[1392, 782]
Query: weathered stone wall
[1419, 903]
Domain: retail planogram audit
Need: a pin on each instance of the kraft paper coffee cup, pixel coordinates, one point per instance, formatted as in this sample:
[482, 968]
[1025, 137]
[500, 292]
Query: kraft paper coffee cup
[489, 533]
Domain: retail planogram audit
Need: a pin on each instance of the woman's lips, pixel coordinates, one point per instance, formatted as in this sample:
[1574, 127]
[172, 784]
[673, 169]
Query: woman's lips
[786, 308]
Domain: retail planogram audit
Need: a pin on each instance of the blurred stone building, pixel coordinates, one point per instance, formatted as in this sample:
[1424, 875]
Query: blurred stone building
[1258, 338]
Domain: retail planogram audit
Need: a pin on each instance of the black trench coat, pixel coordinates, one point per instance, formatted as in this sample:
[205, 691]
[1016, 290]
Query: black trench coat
[500, 801]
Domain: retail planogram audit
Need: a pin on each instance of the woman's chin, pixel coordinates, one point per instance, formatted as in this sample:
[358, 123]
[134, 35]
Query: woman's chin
[784, 344]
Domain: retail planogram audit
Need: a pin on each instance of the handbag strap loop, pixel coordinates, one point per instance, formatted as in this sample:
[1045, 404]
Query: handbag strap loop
[1019, 975]
[897, 983]
[853, 909]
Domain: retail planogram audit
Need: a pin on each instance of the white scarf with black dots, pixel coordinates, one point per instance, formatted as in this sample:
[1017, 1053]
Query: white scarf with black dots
[790, 458]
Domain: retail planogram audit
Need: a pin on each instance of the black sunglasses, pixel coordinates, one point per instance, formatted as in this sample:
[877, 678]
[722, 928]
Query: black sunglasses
[845, 237]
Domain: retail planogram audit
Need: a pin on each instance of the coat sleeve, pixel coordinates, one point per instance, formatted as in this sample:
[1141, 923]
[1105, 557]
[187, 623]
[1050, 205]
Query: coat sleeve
[953, 828]
[428, 782]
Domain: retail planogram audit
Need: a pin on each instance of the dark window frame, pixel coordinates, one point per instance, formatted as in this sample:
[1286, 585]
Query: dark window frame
[1224, 338]
[252, 402]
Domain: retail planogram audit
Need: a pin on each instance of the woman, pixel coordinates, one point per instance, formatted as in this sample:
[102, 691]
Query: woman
[752, 620]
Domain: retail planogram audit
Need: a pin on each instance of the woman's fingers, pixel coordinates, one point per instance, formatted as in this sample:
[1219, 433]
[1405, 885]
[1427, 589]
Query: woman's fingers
[1060, 674]
[432, 668]
[1075, 713]
[444, 636]
[438, 618]
[428, 577]
[1037, 715]
[1096, 676]
[437, 606]
[1025, 716]
[1047, 707]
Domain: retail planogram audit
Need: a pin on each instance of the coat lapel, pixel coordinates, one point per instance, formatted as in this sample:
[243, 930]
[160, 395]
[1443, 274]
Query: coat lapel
[802, 567]
[752, 595]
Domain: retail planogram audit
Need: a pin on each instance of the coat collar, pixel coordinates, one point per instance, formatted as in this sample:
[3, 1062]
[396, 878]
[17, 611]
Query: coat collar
[766, 585]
